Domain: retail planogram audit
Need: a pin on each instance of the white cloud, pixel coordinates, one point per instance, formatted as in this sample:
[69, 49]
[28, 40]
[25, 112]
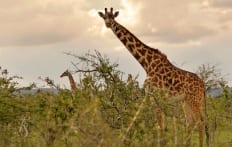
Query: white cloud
[48, 21]
[130, 12]
[205, 3]
[182, 29]
[41, 22]
[170, 22]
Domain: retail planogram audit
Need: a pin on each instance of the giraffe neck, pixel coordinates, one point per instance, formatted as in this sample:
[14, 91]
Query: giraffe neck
[142, 53]
[72, 82]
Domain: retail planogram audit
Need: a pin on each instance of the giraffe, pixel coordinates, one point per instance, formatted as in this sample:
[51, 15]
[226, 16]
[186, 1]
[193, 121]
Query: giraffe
[162, 74]
[129, 79]
[71, 80]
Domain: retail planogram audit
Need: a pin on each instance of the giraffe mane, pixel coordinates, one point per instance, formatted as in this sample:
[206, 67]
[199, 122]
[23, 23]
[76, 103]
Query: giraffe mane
[157, 51]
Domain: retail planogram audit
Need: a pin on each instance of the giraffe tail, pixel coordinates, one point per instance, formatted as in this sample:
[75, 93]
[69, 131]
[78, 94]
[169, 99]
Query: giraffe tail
[206, 122]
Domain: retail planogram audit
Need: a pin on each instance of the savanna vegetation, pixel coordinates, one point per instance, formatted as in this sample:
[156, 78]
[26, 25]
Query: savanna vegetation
[106, 110]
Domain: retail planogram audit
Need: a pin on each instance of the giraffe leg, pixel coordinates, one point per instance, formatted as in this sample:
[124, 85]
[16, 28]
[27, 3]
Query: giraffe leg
[190, 123]
[193, 120]
[161, 123]
[160, 127]
[201, 127]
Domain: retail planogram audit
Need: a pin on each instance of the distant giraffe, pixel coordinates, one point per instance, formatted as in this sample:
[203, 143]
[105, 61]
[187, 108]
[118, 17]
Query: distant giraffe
[71, 80]
[129, 79]
[162, 74]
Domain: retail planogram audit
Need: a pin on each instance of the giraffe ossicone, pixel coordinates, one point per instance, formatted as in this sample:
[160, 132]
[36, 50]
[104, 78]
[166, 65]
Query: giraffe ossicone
[162, 74]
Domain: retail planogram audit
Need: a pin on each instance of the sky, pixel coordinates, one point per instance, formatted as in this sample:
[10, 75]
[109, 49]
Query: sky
[34, 34]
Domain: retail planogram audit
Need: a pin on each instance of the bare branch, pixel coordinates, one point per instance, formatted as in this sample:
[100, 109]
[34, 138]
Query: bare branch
[86, 71]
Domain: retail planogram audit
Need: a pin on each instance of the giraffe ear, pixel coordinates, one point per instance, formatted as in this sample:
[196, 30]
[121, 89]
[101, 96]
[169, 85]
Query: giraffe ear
[116, 14]
[101, 14]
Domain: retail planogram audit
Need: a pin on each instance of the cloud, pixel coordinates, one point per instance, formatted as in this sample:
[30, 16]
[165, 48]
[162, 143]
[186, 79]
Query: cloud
[177, 33]
[41, 22]
[28, 23]
[174, 22]
[182, 34]
[89, 4]
[222, 4]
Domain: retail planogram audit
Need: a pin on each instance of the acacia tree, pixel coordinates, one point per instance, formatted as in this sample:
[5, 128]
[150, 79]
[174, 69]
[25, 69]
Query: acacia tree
[124, 105]
[212, 76]
[217, 110]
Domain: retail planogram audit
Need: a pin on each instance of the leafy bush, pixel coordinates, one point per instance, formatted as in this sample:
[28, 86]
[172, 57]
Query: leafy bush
[106, 110]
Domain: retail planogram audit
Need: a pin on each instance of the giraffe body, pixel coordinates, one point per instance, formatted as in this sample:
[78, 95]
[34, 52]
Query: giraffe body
[162, 74]
[71, 80]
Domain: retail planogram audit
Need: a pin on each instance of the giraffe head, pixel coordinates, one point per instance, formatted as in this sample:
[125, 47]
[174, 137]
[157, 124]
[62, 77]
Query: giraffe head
[66, 73]
[108, 16]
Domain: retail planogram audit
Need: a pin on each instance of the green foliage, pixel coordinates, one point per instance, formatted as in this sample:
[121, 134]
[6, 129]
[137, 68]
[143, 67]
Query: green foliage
[219, 118]
[7, 84]
[106, 110]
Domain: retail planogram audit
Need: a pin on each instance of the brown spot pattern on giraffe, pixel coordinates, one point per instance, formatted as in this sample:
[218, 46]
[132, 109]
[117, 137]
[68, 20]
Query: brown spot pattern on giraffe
[161, 73]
